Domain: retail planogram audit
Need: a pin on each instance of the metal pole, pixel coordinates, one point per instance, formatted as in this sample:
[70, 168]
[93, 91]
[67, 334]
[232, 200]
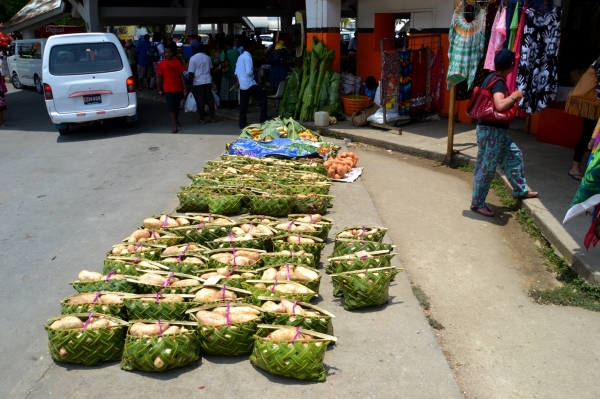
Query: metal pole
[450, 148]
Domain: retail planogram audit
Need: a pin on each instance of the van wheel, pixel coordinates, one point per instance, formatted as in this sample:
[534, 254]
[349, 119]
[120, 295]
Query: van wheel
[15, 81]
[64, 130]
[38, 85]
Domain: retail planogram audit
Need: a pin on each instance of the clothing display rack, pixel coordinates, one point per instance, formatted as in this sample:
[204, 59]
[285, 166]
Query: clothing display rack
[414, 42]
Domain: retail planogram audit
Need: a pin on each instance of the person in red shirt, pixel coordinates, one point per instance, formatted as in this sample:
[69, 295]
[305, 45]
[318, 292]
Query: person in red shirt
[171, 84]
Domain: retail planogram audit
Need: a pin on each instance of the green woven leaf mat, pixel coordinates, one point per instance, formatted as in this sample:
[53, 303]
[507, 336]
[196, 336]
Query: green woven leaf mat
[370, 290]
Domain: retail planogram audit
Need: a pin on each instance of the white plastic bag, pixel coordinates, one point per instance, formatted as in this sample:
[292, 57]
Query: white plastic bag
[390, 116]
[190, 104]
[217, 99]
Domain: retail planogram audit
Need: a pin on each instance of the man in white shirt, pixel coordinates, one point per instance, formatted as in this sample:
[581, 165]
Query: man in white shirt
[244, 73]
[201, 81]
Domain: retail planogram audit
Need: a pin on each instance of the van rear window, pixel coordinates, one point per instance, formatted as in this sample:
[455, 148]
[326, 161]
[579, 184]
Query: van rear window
[84, 58]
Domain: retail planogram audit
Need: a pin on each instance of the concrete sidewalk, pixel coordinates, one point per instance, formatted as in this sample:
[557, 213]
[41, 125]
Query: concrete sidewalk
[546, 168]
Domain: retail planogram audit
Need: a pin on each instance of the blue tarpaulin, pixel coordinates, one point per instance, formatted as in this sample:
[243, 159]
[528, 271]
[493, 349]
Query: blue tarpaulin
[282, 147]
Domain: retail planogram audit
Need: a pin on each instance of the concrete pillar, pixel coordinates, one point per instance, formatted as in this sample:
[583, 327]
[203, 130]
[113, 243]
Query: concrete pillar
[323, 21]
[219, 27]
[230, 28]
[28, 34]
[191, 20]
[89, 12]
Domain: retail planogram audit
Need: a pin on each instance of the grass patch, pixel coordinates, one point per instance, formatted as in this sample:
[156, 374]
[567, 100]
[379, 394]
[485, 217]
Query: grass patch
[421, 297]
[507, 199]
[575, 291]
[424, 302]
[464, 168]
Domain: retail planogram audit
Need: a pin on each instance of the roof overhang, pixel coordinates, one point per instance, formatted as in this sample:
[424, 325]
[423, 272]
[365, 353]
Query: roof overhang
[35, 14]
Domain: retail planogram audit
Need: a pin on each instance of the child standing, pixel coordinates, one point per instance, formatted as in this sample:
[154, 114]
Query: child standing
[171, 83]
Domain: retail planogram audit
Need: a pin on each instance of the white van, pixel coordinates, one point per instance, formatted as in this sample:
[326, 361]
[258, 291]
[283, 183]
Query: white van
[25, 66]
[87, 78]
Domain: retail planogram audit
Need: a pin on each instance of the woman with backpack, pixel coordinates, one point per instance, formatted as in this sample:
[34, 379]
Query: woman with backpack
[495, 148]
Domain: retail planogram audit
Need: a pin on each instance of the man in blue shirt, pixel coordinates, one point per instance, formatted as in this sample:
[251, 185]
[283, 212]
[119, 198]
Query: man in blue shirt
[244, 72]
[144, 62]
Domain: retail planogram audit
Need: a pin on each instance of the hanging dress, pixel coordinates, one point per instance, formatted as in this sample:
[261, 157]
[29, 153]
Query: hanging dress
[420, 69]
[389, 75]
[497, 39]
[511, 81]
[514, 24]
[404, 82]
[538, 67]
[437, 80]
[466, 48]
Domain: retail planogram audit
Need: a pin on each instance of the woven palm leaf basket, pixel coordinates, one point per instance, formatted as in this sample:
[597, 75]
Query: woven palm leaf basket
[298, 242]
[314, 219]
[299, 356]
[359, 260]
[202, 232]
[215, 294]
[108, 303]
[122, 265]
[307, 276]
[152, 281]
[157, 306]
[238, 258]
[294, 227]
[312, 203]
[369, 233]
[194, 198]
[111, 282]
[362, 288]
[228, 332]
[258, 219]
[187, 249]
[137, 250]
[230, 276]
[345, 246]
[86, 343]
[156, 236]
[167, 348]
[278, 289]
[188, 263]
[298, 257]
[281, 311]
[271, 204]
[316, 188]
[254, 241]
[225, 204]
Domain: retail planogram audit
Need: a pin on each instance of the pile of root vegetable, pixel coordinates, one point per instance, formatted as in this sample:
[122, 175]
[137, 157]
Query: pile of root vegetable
[186, 283]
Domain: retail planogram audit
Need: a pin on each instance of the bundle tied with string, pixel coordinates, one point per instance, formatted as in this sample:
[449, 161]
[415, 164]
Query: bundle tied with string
[246, 241]
[108, 303]
[362, 288]
[164, 282]
[280, 311]
[368, 233]
[156, 345]
[346, 246]
[136, 250]
[358, 261]
[291, 352]
[183, 261]
[157, 306]
[271, 205]
[299, 242]
[203, 232]
[312, 203]
[278, 289]
[112, 282]
[215, 294]
[80, 341]
[314, 219]
[305, 275]
[226, 329]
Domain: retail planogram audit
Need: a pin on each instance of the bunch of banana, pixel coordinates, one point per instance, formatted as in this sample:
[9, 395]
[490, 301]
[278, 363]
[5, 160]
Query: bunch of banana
[255, 132]
[283, 131]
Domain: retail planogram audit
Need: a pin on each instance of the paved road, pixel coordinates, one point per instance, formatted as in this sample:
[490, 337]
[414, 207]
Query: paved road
[66, 200]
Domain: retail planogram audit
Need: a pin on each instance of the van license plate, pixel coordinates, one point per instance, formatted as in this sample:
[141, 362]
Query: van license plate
[97, 99]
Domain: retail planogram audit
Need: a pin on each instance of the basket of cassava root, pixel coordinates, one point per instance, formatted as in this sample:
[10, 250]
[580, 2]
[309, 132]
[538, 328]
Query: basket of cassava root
[227, 329]
[84, 338]
[157, 306]
[299, 242]
[165, 282]
[302, 274]
[368, 233]
[281, 311]
[108, 303]
[156, 345]
[111, 282]
[291, 352]
[362, 288]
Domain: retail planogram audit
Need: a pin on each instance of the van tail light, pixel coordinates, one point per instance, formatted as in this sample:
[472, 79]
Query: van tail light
[48, 92]
[130, 85]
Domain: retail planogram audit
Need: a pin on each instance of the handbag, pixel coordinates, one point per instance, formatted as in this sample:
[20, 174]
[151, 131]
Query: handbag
[225, 67]
[481, 106]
